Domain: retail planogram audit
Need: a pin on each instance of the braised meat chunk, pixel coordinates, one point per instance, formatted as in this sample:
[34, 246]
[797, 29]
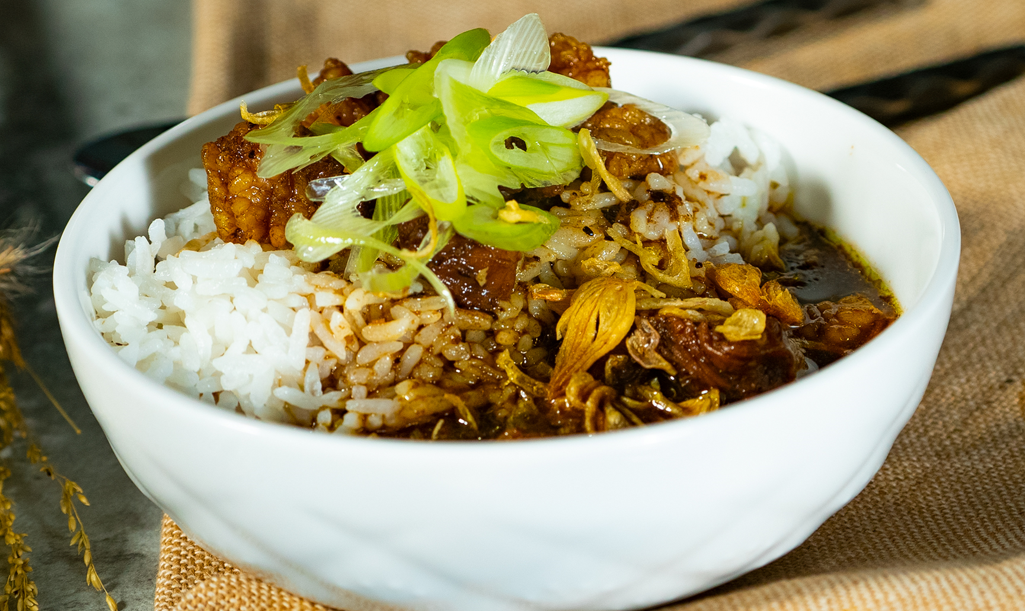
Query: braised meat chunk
[347, 111]
[631, 126]
[838, 328]
[422, 57]
[246, 207]
[575, 59]
[479, 276]
[705, 359]
[333, 68]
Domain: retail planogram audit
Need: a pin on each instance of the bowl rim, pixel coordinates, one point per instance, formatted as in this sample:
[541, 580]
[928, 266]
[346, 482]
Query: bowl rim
[77, 328]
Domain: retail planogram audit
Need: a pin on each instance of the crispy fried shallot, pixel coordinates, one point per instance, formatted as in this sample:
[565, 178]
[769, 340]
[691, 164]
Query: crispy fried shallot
[744, 282]
[585, 393]
[743, 325]
[600, 315]
[642, 345]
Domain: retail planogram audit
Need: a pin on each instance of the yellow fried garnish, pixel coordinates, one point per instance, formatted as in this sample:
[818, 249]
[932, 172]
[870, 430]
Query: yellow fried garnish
[594, 266]
[589, 151]
[528, 384]
[677, 273]
[599, 316]
[512, 213]
[304, 79]
[743, 325]
[546, 292]
[585, 393]
[653, 397]
[619, 233]
[742, 281]
[265, 117]
[777, 301]
[691, 315]
[708, 402]
[707, 304]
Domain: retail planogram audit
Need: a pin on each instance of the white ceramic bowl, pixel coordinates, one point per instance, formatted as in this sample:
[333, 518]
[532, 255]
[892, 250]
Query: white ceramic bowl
[616, 521]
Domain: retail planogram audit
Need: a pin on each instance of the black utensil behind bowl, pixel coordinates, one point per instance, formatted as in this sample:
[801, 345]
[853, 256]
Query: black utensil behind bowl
[94, 159]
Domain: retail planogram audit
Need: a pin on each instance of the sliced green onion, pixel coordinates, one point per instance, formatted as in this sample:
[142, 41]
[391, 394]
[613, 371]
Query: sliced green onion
[522, 46]
[389, 81]
[556, 104]
[314, 242]
[413, 105]
[317, 190]
[474, 118]
[399, 280]
[482, 186]
[427, 167]
[349, 157]
[295, 153]
[391, 282]
[481, 223]
[549, 77]
[538, 155]
[282, 130]
[386, 209]
[358, 187]
[457, 69]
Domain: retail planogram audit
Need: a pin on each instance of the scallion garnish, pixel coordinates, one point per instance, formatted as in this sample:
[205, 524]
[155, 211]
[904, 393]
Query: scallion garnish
[477, 116]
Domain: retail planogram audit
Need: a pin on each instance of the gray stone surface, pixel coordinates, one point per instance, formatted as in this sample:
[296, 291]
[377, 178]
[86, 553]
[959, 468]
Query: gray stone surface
[70, 71]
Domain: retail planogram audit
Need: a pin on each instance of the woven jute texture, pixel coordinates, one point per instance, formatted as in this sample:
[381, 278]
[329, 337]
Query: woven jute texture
[901, 37]
[241, 45]
[942, 525]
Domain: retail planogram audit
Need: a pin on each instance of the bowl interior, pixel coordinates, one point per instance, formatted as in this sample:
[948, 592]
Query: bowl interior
[850, 174]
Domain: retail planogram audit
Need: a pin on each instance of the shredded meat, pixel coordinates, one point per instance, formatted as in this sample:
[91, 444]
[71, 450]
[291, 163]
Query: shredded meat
[479, 276]
[575, 59]
[631, 126]
[705, 359]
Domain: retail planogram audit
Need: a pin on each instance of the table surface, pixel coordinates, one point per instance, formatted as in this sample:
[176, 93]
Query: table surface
[69, 72]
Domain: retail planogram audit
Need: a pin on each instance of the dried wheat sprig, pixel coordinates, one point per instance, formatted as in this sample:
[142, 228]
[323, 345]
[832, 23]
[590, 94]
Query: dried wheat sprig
[15, 251]
[9, 350]
[70, 492]
[53, 399]
[19, 586]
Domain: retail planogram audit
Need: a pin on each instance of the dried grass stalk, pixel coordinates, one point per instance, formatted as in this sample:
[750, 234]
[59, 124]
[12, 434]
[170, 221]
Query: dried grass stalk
[19, 588]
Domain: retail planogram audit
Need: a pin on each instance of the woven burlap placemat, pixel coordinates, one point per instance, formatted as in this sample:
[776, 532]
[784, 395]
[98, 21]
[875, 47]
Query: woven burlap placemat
[942, 525]
[241, 45]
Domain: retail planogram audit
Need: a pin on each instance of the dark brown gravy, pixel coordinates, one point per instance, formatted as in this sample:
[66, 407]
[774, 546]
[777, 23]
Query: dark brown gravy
[821, 269]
